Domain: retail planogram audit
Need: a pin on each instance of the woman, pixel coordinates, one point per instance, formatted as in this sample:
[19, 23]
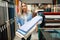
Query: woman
[24, 17]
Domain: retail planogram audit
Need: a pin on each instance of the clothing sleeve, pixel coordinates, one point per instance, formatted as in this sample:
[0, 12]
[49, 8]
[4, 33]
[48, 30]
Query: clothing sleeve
[18, 22]
[19, 25]
[29, 16]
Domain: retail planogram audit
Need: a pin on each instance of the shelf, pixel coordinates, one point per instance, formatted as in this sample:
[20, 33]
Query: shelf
[52, 21]
[51, 13]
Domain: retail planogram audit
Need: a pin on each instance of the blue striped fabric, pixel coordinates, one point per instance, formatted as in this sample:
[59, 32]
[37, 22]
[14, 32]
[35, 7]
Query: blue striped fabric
[29, 25]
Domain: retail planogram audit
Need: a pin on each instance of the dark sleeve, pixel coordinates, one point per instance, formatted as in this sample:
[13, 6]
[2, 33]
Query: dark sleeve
[43, 21]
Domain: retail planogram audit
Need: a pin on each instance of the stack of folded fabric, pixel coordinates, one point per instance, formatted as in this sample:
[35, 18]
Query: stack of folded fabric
[28, 28]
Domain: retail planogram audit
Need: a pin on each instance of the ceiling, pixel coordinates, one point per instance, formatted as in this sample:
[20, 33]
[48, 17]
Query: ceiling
[37, 1]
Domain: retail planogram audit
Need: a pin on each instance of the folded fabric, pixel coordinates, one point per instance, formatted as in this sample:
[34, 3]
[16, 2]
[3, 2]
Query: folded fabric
[28, 27]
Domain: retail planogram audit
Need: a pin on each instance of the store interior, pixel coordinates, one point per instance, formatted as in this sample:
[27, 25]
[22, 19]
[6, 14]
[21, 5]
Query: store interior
[47, 12]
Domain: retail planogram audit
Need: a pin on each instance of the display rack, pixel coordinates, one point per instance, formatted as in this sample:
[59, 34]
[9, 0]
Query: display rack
[4, 27]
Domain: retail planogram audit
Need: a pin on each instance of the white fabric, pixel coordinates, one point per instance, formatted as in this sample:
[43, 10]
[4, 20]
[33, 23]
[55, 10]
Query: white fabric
[26, 26]
[29, 25]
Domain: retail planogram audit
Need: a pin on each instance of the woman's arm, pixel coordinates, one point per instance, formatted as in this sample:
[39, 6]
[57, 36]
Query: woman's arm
[18, 22]
[29, 16]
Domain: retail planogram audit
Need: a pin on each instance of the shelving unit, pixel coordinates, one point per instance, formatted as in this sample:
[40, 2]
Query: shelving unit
[4, 28]
[7, 20]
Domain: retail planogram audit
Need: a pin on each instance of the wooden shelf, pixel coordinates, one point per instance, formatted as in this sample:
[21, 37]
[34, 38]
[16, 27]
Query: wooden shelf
[51, 13]
[52, 26]
[52, 21]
